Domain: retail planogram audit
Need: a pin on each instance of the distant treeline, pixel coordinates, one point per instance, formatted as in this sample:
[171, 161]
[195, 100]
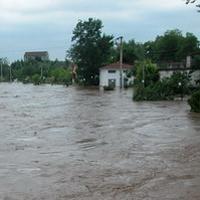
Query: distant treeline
[37, 71]
[173, 46]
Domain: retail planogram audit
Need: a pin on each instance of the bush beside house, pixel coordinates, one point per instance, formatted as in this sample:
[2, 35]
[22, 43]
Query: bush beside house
[194, 102]
[153, 89]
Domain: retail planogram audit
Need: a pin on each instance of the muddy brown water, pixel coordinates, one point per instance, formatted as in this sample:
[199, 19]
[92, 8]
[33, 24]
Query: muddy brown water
[59, 143]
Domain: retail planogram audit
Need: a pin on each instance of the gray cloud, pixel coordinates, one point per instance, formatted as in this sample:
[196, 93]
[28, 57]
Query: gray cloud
[48, 24]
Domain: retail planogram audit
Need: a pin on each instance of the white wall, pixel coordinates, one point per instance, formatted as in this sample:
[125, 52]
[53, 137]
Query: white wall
[194, 75]
[165, 74]
[105, 76]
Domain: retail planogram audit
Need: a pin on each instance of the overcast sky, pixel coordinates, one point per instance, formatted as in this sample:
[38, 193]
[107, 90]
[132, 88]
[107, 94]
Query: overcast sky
[27, 25]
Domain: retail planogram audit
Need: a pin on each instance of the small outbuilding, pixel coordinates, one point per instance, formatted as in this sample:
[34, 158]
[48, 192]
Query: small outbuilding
[36, 55]
[110, 75]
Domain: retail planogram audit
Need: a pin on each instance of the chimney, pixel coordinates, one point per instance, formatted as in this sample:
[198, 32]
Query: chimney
[188, 61]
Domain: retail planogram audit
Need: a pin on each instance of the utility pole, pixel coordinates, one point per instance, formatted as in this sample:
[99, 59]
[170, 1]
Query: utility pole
[10, 69]
[143, 74]
[41, 72]
[1, 60]
[121, 62]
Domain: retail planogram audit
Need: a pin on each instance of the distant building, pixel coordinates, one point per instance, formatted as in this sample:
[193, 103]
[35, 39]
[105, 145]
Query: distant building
[110, 75]
[36, 55]
[167, 69]
[184, 64]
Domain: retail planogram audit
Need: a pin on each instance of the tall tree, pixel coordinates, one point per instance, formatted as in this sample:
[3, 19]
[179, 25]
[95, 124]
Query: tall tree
[193, 1]
[190, 44]
[190, 1]
[132, 51]
[172, 46]
[90, 49]
[168, 45]
[146, 72]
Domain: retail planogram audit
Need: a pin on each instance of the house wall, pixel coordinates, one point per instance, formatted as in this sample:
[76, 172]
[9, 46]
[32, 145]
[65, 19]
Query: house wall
[165, 74]
[105, 76]
[30, 57]
[195, 75]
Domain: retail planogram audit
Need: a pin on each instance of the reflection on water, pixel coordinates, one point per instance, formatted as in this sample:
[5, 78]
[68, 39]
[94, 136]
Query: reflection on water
[75, 143]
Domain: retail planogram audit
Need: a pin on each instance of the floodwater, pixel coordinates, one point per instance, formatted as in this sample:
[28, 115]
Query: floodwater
[59, 143]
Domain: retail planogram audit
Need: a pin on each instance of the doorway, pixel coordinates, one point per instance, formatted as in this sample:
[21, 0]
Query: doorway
[112, 83]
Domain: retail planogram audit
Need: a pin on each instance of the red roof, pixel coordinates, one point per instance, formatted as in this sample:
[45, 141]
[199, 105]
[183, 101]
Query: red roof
[117, 66]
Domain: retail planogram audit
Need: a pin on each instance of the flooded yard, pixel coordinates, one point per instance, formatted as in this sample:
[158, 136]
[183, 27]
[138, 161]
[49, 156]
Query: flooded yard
[59, 143]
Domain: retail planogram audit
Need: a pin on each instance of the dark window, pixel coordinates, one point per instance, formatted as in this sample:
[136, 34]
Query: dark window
[111, 71]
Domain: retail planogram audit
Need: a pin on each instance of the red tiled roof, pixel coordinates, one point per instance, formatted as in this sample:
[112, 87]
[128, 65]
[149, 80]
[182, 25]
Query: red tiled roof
[117, 66]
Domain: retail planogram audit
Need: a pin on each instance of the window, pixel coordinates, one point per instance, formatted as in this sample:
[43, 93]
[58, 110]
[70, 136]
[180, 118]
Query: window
[111, 71]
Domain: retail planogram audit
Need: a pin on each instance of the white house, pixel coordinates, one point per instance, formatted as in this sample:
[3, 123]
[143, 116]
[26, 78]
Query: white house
[110, 75]
[168, 69]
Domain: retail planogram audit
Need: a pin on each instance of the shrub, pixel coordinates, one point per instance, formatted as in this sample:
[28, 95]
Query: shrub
[154, 92]
[176, 79]
[146, 69]
[165, 89]
[61, 75]
[194, 102]
[36, 79]
[26, 80]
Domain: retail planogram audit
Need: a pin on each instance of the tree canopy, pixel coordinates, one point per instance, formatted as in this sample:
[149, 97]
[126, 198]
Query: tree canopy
[148, 71]
[39, 71]
[173, 46]
[90, 49]
[193, 1]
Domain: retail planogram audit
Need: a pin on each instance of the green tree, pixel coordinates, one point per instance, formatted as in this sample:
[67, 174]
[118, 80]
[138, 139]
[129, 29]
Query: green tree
[90, 50]
[193, 1]
[148, 71]
[165, 89]
[4, 65]
[61, 75]
[132, 52]
[49, 70]
[189, 44]
[196, 61]
[168, 45]
[173, 46]
[36, 79]
[179, 83]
